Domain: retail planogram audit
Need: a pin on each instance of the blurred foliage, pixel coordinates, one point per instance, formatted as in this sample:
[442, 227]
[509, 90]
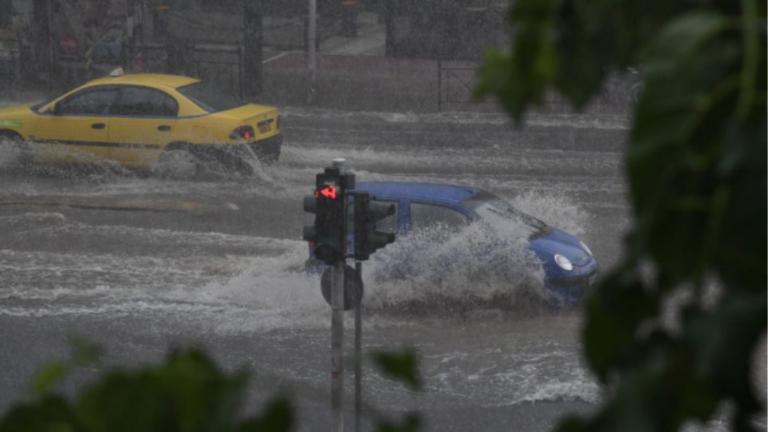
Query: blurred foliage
[410, 423]
[400, 366]
[696, 166]
[187, 393]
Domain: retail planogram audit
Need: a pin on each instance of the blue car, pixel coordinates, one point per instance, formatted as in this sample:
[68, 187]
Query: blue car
[567, 263]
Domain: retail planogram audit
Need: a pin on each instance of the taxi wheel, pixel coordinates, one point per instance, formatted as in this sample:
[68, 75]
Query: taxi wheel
[178, 164]
[12, 149]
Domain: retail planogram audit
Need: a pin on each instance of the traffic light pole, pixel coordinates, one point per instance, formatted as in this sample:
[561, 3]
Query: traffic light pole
[337, 346]
[337, 317]
[358, 352]
[329, 240]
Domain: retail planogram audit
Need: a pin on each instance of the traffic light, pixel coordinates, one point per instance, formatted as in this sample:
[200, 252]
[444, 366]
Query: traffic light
[367, 214]
[326, 236]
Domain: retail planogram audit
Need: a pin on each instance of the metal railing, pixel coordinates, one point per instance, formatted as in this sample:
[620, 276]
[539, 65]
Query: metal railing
[9, 69]
[456, 83]
[219, 64]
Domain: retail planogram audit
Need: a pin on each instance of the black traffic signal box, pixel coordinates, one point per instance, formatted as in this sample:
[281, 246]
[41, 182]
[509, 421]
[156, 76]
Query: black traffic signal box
[367, 214]
[328, 203]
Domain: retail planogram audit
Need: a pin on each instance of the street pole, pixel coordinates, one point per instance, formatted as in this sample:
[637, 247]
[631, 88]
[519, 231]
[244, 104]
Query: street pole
[252, 53]
[349, 18]
[358, 350]
[389, 26]
[312, 49]
[337, 322]
[52, 64]
[337, 343]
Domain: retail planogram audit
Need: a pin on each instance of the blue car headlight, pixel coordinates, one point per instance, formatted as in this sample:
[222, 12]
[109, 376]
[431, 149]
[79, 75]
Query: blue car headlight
[563, 262]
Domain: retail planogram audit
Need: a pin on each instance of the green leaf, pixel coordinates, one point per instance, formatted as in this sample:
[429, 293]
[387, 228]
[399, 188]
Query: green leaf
[619, 307]
[49, 414]
[85, 352]
[521, 77]
[696, 167]
[682, 37]
[401, 366]
[277, 416]
[410, 423]
[51, 375]
[187, 393]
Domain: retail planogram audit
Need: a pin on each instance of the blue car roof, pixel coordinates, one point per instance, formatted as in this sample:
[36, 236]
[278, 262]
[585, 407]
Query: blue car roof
[429, 192]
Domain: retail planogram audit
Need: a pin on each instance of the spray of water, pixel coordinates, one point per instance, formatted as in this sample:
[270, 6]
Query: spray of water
[440, 268]
[556, 209]
[272, 292]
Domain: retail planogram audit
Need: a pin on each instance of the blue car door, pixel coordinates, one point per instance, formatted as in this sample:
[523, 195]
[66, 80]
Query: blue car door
[415, 216]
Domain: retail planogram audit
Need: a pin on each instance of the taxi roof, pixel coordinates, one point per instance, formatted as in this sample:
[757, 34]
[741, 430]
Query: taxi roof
[146, 79]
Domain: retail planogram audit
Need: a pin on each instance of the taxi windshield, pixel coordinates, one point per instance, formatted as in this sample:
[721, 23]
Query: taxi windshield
[495, 210]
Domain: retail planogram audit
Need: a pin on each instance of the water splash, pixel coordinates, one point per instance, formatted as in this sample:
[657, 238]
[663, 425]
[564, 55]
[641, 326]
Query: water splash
[556, 209]
[439, 267]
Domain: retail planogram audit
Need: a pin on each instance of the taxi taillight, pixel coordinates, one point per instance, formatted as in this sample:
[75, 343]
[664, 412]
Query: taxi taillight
[243, 132]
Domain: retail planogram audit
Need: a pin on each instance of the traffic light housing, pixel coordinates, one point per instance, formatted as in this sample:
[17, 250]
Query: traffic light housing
[367, 214]
[327, 235]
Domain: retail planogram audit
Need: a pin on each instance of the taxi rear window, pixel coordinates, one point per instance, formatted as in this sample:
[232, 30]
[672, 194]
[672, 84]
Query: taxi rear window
[210, 99]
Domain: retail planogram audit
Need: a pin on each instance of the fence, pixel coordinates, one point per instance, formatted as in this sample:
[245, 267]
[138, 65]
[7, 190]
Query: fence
[456, 83]
[221, 65]
[9, 67]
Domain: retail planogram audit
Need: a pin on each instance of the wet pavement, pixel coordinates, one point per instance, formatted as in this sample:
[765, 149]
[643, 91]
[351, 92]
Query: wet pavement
[142, 265]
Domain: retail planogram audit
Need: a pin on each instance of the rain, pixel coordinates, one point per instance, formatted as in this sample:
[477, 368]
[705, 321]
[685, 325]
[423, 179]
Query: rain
[108, 235]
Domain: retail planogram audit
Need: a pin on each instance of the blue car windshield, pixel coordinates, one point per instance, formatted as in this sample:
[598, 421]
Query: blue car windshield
[495, 210]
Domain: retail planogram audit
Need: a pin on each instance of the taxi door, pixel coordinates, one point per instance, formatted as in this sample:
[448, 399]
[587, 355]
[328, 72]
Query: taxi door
[76, 129]
[143, 121]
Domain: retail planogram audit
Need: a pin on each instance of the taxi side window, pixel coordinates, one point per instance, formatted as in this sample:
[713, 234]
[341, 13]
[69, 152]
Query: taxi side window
[144, 102]
[429, 215]
[93, 101]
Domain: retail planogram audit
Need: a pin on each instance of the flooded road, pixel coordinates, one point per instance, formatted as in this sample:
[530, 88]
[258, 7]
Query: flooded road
[141, 265]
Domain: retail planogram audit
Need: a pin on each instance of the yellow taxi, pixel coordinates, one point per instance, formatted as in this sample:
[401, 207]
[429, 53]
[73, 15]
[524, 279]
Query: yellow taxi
[144, 121]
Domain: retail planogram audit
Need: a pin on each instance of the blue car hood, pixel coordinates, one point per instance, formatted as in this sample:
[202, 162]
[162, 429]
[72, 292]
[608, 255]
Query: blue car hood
[556, 241]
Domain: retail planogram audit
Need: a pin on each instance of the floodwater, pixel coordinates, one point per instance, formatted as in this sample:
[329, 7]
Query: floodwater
[141, 265]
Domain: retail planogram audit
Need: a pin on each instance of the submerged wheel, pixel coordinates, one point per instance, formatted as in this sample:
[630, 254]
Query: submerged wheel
[233, 163]
[13, 150]
[177, 164]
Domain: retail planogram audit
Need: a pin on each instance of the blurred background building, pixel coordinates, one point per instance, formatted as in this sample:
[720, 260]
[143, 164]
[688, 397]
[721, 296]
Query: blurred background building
[400, 54]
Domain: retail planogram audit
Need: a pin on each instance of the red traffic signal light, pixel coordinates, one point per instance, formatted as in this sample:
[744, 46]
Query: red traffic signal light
[327, 191]
[326, 235]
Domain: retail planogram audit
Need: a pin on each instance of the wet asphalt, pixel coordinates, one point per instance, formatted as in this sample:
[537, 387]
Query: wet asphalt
[142, 265]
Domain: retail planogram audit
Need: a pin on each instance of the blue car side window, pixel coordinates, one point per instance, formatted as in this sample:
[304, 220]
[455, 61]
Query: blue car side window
[428, 215]
[390, 223]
